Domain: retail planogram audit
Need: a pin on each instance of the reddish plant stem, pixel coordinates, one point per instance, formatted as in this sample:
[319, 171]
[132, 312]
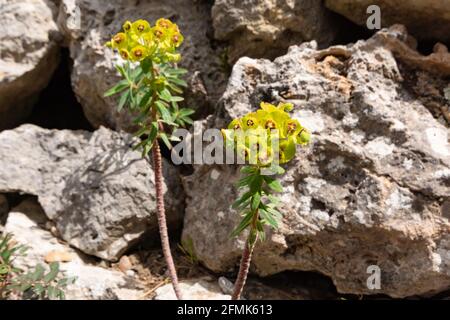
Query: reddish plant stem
[245, 261]
[165, 243]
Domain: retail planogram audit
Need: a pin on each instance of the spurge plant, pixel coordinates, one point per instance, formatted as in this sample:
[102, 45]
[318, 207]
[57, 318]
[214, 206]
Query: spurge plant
[150, 89]
[263, 139]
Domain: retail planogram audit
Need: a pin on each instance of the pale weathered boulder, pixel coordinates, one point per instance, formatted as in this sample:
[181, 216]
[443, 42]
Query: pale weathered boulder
[266, 28]
[425, 19]
[87, 25]
[97, 190]
[27, 222]
[373, 188]
[29, 54]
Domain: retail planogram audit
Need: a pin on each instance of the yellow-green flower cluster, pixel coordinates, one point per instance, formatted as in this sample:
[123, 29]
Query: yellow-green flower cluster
[260, 135]
[139, 40]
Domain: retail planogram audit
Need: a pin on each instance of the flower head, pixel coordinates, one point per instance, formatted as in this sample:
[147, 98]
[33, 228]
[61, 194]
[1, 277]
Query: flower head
[140, 27]
[138, 53]
[127, 26]
[119, 41]
[140, 41]
[267, 132]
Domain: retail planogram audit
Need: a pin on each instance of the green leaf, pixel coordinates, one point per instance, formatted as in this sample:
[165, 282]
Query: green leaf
[178, 82]
[277, 169]
[273, 199]
[123, 100]
[188, 120]
[246, 196]
[252, 237]
[186, 112]
[175, 89]
[273, 184]
[119, 87]
[165, 95]
[144, 130]
[144, 101]
[51, 291]
[153, 132]
[177, 71]
[256, 200]
[165, 114]
[24, 287]
[277, 214]
[245, 204]
[244, 224]
[255, 184]
[122, 71]
[166, 140]
[62, 282]
[170, 123]
[245, 181]
[132, 98]
[22, 250]
[268, 218]
[127, 69]
[38, 273]
[60, 295]
[146, 150]
[260, 229]
[4, 269]
[38, 289]
[175, 108]
[176, 99]
[6, 255]
[4, 242]
[146, 65]
[248, 170]
[54, 270]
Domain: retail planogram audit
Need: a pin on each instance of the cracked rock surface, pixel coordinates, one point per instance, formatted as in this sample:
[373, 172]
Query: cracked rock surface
[266, 28]
[29, 54]
[27, 223]
[373, 188]
[425, 19]
[92, 185]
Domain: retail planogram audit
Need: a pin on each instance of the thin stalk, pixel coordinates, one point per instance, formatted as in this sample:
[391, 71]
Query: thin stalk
[246, 260]
[165, 243]
[161, 212]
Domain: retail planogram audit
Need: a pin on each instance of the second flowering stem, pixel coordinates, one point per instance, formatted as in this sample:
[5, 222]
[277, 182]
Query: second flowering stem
[258, 207]
[245, 260]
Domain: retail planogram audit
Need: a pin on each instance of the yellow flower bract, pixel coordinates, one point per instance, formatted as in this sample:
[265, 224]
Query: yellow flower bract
[139, 41]
[256, 132]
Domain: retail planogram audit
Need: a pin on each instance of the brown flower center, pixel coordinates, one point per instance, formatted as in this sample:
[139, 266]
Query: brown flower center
[237, 126]
[158, 33]
[118, 38]
[138, 53]
[164, 24]
[141, 27]
[291, 127]
[270, 124]
[250, 123]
